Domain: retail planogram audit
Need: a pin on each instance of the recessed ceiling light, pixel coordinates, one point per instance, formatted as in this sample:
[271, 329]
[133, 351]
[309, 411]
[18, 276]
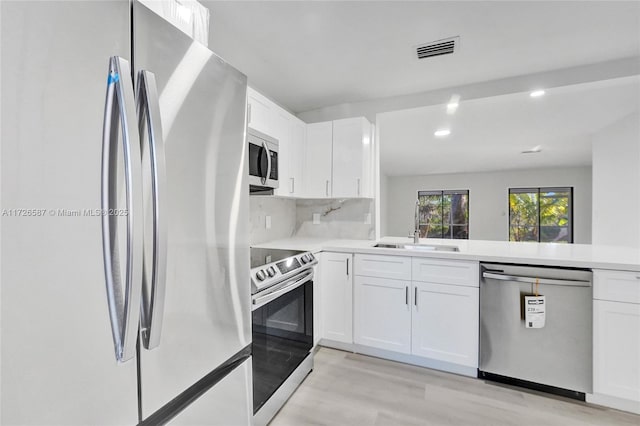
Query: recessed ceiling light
[536, 149]
[442, 133]
[453, 104]
[536, 93]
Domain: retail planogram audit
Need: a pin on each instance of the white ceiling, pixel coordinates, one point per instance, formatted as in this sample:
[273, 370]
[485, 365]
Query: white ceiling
[311, 54]
[490, 133]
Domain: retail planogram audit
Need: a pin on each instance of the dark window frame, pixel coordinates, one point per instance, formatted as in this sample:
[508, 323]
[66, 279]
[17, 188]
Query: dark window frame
[442, 193]
[537, 191]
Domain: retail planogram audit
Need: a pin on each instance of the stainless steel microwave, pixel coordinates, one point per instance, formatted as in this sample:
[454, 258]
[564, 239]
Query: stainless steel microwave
[263, 161]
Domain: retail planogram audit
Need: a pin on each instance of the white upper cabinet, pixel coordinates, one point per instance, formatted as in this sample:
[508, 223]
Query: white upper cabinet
[332, 159]
[267, 117]
[339, 159]
[351, 145]
[317, 178]
[260, 113]
[295, 183]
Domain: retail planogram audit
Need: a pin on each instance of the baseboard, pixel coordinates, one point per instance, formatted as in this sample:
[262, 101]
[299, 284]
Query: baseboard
[419, 361]
[404, 358]
[347, 347]
[614, 402]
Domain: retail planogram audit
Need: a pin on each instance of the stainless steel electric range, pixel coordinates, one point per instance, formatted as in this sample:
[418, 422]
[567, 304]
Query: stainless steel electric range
[282, 304]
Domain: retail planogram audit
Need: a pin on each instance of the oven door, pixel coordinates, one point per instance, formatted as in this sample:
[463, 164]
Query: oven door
[282, 334]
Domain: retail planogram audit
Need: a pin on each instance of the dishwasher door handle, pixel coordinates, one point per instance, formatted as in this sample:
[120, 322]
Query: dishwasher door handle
[533, 280]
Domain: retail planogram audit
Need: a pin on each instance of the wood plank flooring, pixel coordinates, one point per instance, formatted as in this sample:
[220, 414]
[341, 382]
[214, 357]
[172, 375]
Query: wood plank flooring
[350, 389]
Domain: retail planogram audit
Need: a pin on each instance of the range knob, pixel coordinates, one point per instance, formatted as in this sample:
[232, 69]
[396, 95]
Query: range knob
[304, 258]
[271, 271]
[311, 257]
[260, 275]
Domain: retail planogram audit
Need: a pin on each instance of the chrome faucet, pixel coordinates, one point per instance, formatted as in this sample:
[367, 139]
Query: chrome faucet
[416, 230]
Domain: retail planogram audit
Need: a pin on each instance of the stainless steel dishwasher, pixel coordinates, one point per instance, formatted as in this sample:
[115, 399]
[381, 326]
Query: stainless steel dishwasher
[555, 358]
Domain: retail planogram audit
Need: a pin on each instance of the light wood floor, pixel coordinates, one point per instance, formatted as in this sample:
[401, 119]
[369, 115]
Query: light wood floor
[349, 389]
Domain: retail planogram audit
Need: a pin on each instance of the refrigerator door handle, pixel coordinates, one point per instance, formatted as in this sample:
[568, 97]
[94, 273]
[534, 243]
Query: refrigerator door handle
[153, 288]
[123, 299]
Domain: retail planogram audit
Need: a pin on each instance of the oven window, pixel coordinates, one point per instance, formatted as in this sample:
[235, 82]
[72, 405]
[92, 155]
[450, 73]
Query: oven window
[282, 338]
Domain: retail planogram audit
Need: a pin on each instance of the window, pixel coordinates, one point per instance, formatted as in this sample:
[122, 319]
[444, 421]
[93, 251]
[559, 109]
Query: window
[444, 214]
[541, 214]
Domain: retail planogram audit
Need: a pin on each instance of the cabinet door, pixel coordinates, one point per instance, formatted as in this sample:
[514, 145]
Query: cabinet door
[318, 155]
[298, 143]
[349, 156]
[282, 126]
[445, 323]
[616, 349]
[260, 114]
[337, 296]
[382, 313]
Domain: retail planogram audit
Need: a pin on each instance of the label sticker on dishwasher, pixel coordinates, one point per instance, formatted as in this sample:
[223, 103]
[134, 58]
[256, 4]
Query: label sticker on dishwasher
[534, 314]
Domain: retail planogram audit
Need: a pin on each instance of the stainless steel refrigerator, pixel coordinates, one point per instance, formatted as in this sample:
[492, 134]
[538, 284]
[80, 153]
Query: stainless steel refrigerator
[125, 257]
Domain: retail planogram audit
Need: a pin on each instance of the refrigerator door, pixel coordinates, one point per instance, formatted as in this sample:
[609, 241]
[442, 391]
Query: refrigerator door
[229, 399]
[207, 297]
[58, 360]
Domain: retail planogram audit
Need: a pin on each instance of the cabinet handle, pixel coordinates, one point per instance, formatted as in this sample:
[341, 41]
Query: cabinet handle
[347, 266]
[358, 187]
[293, 185]
[327, 189]
[406, 295]
[415, 296]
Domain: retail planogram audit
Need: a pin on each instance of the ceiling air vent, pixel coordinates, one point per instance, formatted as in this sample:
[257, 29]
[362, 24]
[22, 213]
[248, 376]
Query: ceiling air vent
[439, 47]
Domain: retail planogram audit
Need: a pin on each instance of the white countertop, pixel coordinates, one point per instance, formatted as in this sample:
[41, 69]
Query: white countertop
[550, 254]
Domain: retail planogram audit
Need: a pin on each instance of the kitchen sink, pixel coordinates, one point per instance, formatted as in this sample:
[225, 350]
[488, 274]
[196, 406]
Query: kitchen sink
[419, 247]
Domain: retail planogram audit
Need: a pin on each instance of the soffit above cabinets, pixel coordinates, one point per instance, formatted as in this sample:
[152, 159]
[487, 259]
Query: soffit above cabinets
[309, 55]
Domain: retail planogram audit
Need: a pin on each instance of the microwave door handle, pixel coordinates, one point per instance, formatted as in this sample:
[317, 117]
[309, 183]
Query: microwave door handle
[268, 172]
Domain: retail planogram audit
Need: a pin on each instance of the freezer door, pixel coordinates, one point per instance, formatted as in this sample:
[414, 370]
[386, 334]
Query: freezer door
[229, 399]
[58, 360]
[206, 309]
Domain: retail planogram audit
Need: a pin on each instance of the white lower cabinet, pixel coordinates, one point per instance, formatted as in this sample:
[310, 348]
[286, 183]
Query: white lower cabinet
[616, 340]
[435, 319]
[382, 313]
[336, 306]
[444, 323]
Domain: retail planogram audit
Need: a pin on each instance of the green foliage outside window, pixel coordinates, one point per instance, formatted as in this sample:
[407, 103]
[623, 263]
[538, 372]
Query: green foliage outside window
[541, 214]
[444, 214]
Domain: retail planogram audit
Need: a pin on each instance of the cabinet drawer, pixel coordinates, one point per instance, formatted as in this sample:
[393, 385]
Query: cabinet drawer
[454, 272]
[394, 267]
[616, 286]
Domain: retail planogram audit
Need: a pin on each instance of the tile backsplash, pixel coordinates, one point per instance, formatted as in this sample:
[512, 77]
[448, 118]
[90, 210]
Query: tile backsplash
[349, 218]
[283, 218]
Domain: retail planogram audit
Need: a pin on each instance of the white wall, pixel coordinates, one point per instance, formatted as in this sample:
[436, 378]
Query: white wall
[384, 202]
[488, 199]
[616, 183]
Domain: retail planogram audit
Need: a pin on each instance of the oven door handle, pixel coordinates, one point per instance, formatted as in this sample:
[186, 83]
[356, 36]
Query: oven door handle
[301, 279]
